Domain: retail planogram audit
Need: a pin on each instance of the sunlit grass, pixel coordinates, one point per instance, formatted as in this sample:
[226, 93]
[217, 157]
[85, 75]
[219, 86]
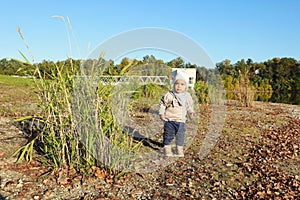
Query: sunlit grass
[16, 81]
[17, 96]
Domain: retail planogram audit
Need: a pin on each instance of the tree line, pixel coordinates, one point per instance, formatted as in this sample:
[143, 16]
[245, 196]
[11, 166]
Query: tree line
[277, 74]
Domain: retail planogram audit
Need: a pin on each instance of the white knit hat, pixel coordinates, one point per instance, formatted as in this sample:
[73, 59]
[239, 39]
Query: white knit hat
[181, 76]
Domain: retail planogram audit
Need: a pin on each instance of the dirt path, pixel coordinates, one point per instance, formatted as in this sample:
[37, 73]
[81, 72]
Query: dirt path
[256, 157]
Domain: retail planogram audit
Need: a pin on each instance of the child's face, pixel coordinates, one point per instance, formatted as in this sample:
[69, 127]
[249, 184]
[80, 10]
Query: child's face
[179, 86]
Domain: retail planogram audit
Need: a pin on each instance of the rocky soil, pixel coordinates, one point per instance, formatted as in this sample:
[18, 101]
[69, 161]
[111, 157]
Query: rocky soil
[257, 156]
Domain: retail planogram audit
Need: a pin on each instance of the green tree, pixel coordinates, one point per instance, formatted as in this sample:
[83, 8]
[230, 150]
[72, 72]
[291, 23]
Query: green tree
[284, 73]
[201, 91]
[176, 63]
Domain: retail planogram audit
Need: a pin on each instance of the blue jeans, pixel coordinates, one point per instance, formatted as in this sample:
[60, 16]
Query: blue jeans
[174, 129]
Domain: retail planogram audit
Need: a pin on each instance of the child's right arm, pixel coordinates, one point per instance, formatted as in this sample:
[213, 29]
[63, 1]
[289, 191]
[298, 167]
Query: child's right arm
[164, 104]
[162, 109]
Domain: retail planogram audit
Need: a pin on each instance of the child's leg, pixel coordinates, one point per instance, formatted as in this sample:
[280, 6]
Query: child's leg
[169, 134]
[180, 133]
[180, 139]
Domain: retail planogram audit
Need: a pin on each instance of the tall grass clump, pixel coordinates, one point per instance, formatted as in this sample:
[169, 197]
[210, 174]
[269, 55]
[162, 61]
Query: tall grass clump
[245, 89]
[102, 136]
[58, 141]
[78, 129]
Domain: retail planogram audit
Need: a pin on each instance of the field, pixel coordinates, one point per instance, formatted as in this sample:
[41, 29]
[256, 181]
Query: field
[257, 156]
[17, 96]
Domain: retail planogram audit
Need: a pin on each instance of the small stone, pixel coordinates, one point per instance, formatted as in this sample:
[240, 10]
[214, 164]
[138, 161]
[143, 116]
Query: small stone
[47, 193]
[36, 197]
[137, 192]
[19, 185]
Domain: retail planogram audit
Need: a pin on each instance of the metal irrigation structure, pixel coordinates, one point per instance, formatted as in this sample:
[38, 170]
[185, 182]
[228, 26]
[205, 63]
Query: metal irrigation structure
[141, 80]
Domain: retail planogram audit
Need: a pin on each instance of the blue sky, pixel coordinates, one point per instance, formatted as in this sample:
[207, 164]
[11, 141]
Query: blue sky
[226, 29]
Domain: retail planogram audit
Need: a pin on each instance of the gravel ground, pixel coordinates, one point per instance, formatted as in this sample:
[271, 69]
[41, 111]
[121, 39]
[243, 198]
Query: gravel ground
[256, 157]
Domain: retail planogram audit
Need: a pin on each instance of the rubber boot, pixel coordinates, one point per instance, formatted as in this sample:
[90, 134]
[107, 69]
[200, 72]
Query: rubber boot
[168, 150]
[180, 151]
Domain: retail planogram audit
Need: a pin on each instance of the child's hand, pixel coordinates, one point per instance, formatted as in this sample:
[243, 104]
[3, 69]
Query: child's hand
[191, 115]
[162, 117]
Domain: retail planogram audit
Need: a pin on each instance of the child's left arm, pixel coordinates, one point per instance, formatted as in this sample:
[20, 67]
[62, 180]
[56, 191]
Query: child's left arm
[190, 106]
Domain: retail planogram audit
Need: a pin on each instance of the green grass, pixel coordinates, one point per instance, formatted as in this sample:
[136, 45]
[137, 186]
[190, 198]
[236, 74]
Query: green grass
[17, 96]
[16, 81]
